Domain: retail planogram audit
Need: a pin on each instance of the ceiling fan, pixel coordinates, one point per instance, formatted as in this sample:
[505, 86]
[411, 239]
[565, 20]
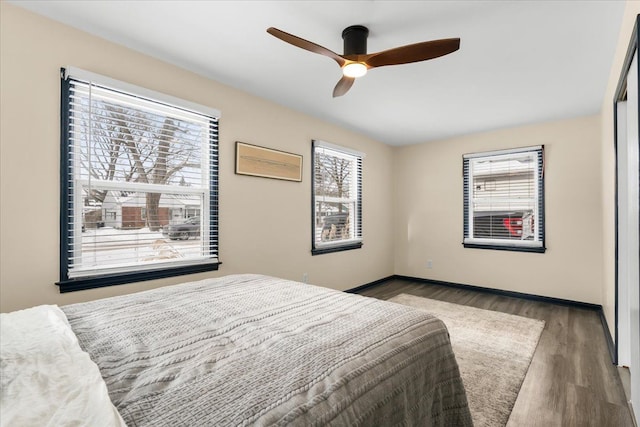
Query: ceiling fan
[356, 61]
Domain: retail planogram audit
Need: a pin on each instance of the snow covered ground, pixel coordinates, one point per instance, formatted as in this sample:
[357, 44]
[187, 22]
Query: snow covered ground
[133, 246]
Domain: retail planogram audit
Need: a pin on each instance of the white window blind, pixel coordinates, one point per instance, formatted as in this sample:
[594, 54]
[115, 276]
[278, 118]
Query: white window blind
[139, 180]
[337, 198]
[503, 198]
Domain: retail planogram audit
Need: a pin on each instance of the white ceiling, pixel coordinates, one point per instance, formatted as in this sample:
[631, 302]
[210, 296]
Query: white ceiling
[519, 61]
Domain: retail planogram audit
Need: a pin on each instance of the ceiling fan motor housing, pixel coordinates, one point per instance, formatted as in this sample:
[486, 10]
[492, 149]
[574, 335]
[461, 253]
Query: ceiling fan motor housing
[355, 40]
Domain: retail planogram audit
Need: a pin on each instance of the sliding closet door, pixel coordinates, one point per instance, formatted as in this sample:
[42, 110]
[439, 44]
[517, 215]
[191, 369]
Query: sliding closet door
[627, 144]
[633, 224]
[628, 241]
[624, 312]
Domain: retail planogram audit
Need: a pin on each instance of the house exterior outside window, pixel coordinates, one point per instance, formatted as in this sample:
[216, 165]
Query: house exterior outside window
[504, 200]
[131, 157]
[336, 198]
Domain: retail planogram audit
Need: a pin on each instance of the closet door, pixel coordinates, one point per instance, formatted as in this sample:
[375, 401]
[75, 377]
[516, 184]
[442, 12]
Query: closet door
[633, 226]
[628, 220]
[624, 313]
[627, 260]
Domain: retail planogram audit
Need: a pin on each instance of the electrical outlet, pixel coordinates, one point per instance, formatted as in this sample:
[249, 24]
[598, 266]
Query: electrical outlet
[305, 277]
[429, 263]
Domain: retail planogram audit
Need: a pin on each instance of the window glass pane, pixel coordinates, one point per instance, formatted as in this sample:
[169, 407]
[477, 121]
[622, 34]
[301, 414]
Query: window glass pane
[129, 142]
[333, 221]
[115, 233]
[333, 175]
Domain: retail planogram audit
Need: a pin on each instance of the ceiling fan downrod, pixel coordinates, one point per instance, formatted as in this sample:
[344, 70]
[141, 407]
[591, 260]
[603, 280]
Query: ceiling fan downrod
[355, 40]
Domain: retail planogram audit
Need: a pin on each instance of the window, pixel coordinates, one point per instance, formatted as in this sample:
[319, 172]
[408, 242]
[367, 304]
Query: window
[336, 198]
[504, 199]
[135, 166]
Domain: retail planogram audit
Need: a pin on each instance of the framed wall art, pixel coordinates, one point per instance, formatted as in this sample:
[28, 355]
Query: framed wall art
[267, 163]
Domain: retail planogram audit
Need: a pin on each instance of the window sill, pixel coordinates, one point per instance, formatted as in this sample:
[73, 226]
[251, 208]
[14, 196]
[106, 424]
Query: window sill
[80, 284]
[331, 249]
[539, 250]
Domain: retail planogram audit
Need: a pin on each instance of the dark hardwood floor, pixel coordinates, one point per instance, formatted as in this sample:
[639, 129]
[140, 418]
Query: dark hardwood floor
[571, 380]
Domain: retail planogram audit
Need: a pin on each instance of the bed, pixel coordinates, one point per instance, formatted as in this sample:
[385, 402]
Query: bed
[257, 350]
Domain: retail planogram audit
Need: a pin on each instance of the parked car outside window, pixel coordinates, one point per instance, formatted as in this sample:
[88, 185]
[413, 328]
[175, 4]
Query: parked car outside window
[183, 230]
[516, 225]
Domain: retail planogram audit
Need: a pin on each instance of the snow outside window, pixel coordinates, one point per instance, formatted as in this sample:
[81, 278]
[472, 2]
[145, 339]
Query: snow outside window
[139, 183]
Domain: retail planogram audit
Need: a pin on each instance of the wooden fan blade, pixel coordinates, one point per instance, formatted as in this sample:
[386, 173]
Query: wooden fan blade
[413, 53]
[305, 44]
[343, 86]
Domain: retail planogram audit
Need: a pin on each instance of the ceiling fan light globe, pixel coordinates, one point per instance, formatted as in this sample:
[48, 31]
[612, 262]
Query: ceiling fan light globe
[354, 69]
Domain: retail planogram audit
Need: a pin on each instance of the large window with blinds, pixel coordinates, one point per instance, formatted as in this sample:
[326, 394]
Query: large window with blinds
[504, 199]
[336, 198]
[139, 184]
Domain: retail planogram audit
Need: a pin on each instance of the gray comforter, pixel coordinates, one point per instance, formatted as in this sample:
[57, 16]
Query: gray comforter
[256, 350]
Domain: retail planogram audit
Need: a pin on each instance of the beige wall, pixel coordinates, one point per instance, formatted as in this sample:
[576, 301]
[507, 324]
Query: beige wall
[265, 224]
[428, 221]
[608, 166]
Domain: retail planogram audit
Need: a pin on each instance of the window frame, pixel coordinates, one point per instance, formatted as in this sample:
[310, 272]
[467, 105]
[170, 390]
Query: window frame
[343, 245]
[67, 282]
[538, 245]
